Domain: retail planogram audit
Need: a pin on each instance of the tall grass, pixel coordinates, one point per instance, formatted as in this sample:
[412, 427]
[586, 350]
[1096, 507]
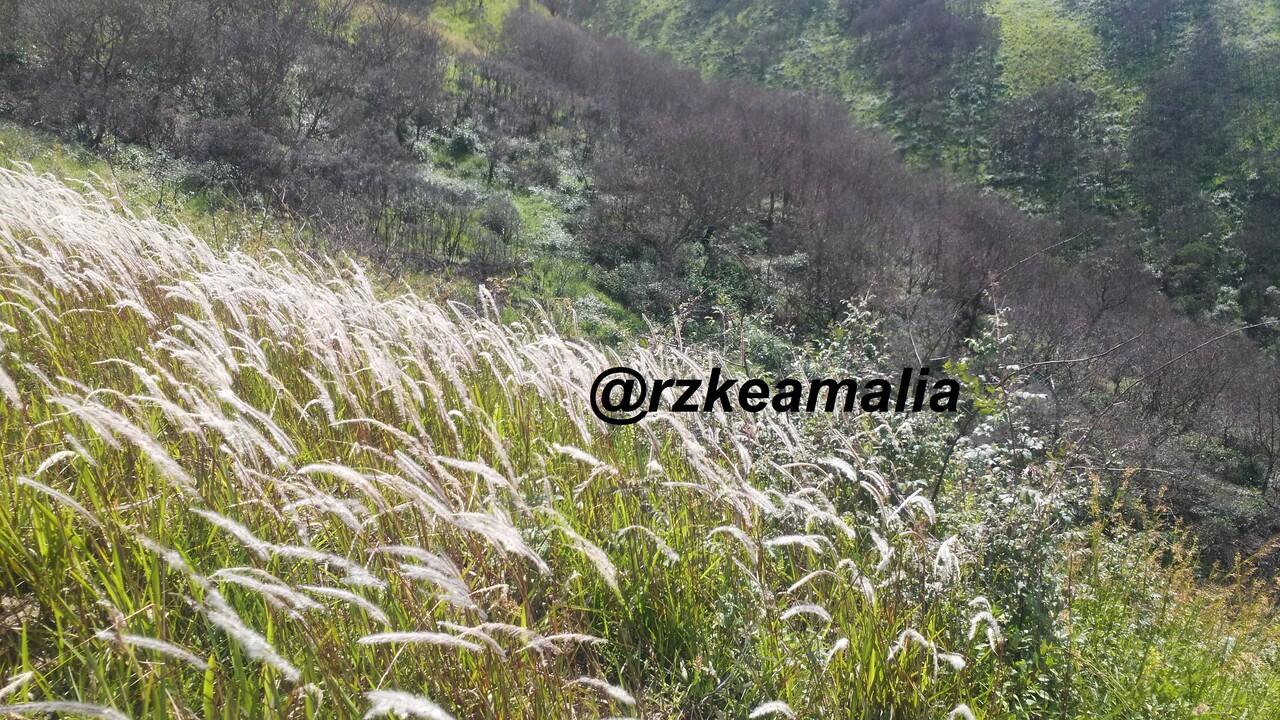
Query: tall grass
[259, 486]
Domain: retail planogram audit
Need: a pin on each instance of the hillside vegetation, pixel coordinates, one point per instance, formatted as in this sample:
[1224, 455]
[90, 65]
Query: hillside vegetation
[301, 302]
[250, 486]
[1106, 113]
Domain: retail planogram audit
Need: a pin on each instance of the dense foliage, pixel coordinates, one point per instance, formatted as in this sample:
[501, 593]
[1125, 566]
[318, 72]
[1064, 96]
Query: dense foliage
[252, 487]
[1154, 113]
[250, 482]
[322, 108]
[683, 196]
[772, 203]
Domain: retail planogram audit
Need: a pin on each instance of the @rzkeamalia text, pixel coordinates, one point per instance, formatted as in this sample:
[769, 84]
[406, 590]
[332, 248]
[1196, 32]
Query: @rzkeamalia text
[622, 395]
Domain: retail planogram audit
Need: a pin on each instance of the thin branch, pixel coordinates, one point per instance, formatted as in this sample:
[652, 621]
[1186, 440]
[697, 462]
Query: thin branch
[1069, 361]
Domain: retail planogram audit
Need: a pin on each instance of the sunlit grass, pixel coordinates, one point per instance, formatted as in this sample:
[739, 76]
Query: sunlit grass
[1043, 43]
[472, 24]
[254, 485]
[228, 447]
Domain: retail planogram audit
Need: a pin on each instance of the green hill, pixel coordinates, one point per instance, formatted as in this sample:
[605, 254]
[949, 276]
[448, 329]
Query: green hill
[1157, 113]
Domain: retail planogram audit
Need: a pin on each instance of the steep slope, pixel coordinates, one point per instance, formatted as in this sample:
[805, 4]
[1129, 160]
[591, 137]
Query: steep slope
[1109, 112]
[247, 487]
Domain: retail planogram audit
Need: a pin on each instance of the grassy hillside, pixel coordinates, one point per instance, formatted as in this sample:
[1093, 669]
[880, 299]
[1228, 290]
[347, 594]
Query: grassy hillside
[294, 415]
[152, 182]
[249, 486]
[552, 274]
